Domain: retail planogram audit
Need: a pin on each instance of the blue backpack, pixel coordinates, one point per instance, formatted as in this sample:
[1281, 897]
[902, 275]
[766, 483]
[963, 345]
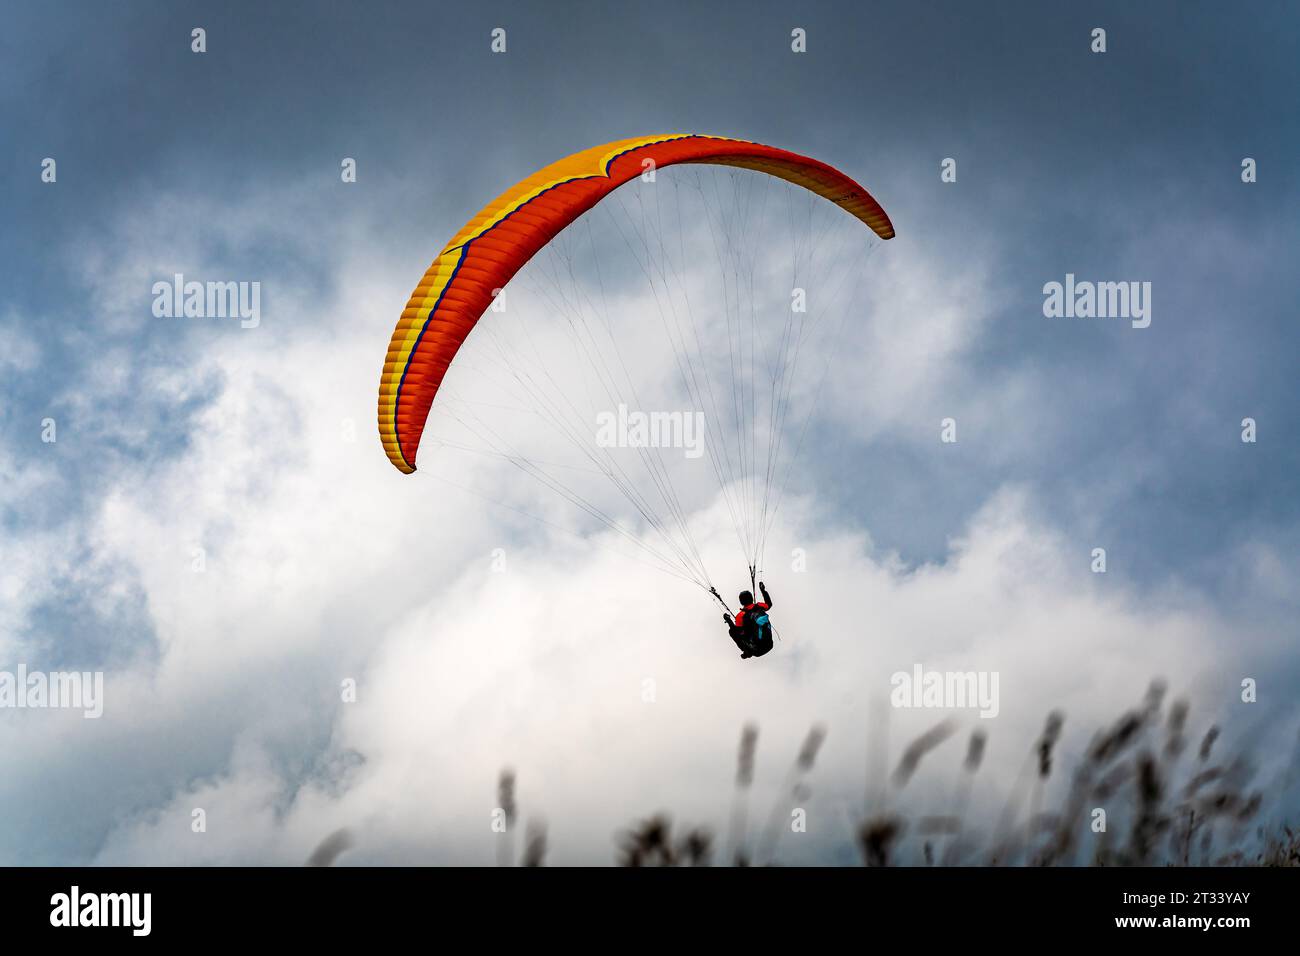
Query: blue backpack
[758, 629]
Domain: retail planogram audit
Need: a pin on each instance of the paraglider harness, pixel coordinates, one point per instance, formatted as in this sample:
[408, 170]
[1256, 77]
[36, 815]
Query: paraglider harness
[757, 628]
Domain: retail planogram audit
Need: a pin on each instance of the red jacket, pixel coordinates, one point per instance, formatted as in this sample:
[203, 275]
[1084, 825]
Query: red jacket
[740, 615]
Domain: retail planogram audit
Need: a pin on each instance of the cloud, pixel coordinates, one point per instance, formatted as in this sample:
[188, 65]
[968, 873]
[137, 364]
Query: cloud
[615, 695]
[21, 353]
[276, 554]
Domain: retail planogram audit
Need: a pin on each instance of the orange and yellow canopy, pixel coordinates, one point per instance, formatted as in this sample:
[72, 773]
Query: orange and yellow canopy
[494, 245]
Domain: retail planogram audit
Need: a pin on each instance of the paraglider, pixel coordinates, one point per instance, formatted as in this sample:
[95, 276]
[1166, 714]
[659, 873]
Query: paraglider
[474, 267]
[752, 627]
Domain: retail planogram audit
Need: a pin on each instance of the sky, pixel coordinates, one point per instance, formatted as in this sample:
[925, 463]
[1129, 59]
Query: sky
[480, 639]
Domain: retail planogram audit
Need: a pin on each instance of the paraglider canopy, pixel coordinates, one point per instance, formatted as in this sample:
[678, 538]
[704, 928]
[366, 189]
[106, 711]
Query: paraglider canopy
[489, 249]
[460, 289]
